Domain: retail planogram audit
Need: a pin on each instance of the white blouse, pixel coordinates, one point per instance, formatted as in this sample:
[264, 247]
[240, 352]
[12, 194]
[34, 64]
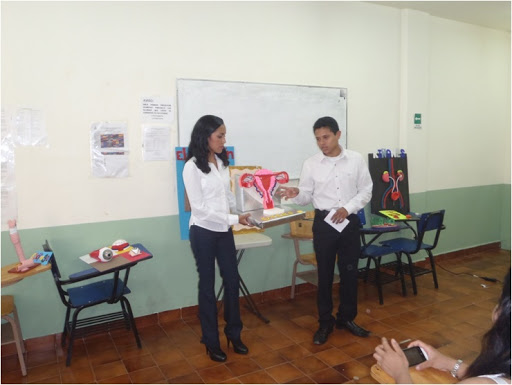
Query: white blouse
[210, 196]
[497, 378]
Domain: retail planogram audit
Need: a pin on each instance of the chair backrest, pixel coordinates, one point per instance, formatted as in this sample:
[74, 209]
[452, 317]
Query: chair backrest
[361, 216]
[303, 227]
[432, 221]
[56, 273]
[55, 267]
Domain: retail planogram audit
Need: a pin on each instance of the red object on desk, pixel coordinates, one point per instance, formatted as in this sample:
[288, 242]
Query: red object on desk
[95, 254]
[127, 256]
[15, 269]
[385, 226]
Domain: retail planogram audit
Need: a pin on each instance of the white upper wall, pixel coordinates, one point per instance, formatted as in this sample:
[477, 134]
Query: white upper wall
[81, 62]
[469, 106]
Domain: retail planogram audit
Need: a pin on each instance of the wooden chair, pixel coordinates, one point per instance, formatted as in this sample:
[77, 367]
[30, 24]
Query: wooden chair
[11, 331]
[300, 231]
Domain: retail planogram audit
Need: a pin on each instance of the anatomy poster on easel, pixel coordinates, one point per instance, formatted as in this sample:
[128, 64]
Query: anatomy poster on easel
[390, 183]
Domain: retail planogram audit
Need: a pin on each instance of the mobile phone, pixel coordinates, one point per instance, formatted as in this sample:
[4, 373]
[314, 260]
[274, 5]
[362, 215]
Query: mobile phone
[415, 355]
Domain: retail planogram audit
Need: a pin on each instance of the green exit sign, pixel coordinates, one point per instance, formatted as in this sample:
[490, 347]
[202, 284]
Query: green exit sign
[417, 120]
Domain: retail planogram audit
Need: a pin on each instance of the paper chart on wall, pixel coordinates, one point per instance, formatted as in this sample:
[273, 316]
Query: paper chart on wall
[156, 142]
[29, 127]
[109, 149]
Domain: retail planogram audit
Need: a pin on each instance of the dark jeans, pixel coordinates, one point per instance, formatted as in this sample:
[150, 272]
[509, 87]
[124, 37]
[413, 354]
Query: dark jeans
[328, 243]
[207, 246]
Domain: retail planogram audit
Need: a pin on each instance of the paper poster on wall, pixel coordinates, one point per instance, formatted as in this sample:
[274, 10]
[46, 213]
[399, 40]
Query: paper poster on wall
[8, 191]
[8, 176]
[29, 127]
[9, 204]
[157, 109]
[7, 152]
[109, 149]
[156, 142]
[181, 159]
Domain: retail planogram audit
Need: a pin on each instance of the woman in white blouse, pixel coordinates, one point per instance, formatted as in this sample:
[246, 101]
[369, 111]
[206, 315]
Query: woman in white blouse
[206, 178]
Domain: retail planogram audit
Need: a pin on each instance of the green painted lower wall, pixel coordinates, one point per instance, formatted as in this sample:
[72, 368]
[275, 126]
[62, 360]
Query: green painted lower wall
[505, 217]
[474, 216]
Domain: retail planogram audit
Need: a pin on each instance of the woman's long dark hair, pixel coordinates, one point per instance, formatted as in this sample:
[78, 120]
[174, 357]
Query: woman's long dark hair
[198, 147]
[494, 357]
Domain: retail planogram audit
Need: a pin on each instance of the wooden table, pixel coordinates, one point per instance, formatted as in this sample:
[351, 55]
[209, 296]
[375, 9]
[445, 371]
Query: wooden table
[11, 278]
[427, 376]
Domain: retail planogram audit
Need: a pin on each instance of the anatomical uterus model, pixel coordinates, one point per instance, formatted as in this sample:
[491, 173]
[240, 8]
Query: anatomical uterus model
[265, 183]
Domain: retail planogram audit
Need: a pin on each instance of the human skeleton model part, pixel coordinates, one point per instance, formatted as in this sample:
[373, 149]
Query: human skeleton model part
[393, 190]
[265, 182]
[26, 264]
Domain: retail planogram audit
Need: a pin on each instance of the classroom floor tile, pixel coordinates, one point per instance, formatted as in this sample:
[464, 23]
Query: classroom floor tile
[452, 318]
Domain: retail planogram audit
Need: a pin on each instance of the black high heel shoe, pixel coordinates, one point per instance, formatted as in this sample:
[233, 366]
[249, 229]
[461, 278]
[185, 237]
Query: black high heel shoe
[238, 346]
[216, 354]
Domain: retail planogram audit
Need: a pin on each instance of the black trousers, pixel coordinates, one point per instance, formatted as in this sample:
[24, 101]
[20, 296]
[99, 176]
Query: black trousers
[207, 246]
[328, 243]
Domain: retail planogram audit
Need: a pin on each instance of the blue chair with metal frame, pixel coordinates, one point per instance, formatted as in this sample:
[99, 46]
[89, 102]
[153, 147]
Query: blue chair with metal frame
[431, 221]
[372, 252]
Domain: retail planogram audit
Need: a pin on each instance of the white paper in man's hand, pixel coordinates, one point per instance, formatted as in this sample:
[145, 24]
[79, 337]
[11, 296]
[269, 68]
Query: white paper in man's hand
[338, 226]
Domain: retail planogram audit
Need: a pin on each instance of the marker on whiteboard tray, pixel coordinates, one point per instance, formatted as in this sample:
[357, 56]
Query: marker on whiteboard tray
[402, 153]
[388, 153]
[379, 153]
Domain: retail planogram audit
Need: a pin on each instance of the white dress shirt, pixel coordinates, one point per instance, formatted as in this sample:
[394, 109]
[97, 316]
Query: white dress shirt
[335, 182]
[210, 196]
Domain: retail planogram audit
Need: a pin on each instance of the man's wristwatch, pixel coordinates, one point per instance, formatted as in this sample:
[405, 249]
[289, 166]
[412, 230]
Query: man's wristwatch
[455, 369]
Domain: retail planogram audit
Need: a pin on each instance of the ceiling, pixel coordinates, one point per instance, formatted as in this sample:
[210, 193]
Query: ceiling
[491, 14]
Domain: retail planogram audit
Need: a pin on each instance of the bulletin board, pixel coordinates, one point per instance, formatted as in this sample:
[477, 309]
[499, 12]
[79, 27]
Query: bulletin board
[269, 124]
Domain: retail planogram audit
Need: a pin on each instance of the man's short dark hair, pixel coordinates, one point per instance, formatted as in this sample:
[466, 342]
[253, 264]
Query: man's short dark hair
[328, 122]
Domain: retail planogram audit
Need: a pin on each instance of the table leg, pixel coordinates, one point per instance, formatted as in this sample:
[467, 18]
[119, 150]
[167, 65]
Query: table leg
[251, 305]
[412, 229]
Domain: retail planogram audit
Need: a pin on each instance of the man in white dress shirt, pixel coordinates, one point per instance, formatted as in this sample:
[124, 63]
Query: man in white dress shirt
[334, 179]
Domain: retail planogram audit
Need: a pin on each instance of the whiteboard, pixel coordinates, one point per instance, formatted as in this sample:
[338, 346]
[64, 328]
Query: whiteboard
[269, 125]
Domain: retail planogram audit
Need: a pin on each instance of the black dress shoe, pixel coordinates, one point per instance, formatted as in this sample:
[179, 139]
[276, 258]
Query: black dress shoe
[352, 328]
[321, 335]
[216, 354]
[238, 346]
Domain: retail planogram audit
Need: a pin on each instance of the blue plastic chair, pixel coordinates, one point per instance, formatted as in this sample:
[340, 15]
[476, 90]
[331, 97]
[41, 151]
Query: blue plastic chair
[374, 253]
[78, 298]
[432, 221]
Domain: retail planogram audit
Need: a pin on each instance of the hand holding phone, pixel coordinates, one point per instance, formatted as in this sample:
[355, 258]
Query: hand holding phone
[415, 355]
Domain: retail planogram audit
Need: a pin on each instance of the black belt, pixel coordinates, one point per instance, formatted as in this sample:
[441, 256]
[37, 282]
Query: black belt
[323, 213]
